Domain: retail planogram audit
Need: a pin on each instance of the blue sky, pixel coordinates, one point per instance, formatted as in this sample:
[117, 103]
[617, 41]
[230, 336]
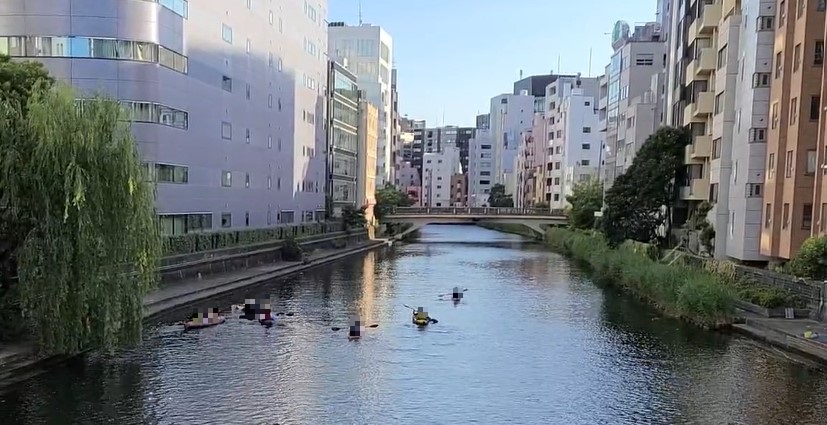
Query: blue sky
[455, 55]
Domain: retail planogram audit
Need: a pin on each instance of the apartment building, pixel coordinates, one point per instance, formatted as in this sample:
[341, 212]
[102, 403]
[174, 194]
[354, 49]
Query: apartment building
[434, 139]
[438, 170]
[343, 138]
[368, 136]
[574, 144]
[792, 148]
[510, 116]
[227, 98]
[369, 51]
[481, 167]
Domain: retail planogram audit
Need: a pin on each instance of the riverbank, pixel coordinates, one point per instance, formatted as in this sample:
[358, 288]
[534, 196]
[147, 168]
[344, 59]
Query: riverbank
[20, 361]
[514, 229]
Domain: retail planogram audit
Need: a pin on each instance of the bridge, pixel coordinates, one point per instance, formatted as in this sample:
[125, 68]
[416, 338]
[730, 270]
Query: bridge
[418, 217]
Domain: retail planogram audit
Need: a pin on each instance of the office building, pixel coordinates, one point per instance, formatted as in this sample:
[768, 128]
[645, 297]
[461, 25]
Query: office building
[369, 51]
[510, 116]
[480, 167]
[459, 190]
[227, 108]
[368, 139]
[436, 138]
[396, 129]
[438, 170]
[343, 139]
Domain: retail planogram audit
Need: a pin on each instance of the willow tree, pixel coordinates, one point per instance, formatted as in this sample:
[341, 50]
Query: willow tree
[72, 178]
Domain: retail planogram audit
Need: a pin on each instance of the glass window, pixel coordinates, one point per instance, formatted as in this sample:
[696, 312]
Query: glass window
[105, 49]
[226, 178]
[227, 33]
[81, 47]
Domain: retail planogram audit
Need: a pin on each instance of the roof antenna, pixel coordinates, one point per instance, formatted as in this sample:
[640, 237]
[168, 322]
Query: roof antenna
[360, 12]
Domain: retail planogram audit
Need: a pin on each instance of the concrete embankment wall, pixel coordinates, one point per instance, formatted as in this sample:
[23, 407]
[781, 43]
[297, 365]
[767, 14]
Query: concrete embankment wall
[516, 229]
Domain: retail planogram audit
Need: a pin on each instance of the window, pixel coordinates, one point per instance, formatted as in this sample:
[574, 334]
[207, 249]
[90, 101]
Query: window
[226, 220]
[766, 23]
[247, 92]
[227, 178]
[797, 57]
[793, 110]
[165, 173]
[716, 148]
[821, 5]
[269, 142]
[719, 103]
[227, 83]
[485, 173]
[226, 131]
[722, 52]
[247, 136]
[754, 190]
[788, 164]
[270, 18]
[801, 4]
[785, 216]
[811, 161]
[757, 135]
[782, 13]
[247, 180]
[823, 218]
[249, 46]
[557, 181]
[774, 115]
[818, 52]
[587, 129]
[807, 217]
[227, 33]
[767, 216]
[585, 146]
[732, 223]
[585, 162]
[644, 59]
[778, 64]
[761, 79]
[771, 166]
[180, 224]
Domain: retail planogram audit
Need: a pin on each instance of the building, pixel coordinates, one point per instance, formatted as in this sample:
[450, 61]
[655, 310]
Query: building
[633, 108]
[459, 190]
[480, 167]
[396, 129]
[438, 170]
[227, 108]
[574, 144]
[368, 140]
[792, 138]
[436, 138]
[369, 52]
[483, 121]
[343, 139]
[510, 116]
[410, 181]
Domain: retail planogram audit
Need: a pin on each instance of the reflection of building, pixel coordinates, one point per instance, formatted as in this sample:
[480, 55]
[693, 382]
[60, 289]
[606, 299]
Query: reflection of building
[369, 51]
[438, 168]
[343, 143]
[368, 136]
[233, 146]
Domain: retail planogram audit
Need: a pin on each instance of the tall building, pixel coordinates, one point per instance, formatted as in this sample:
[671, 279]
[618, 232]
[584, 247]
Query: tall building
[396, 129]
[438, 170]
[483, 121]
[369, 51]
[633, 109]
[436, 138]
[480, 167]
[343, 139]
[228, 108]
[574, 145]
[792, 147]
[368, 139]
[510, 116]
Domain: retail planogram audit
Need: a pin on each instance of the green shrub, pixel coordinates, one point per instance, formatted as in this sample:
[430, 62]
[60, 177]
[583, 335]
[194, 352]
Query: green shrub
[198, 242]
[811, 260]
[678, 290]
[291, 250]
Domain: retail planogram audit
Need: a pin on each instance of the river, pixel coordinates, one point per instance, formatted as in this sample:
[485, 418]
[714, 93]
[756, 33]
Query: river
[533, 342]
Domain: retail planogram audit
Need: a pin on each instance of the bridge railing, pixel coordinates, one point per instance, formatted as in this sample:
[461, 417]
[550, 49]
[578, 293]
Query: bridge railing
[477, 211]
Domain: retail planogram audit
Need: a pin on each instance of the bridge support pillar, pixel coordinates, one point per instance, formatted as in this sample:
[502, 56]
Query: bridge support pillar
[537, 228]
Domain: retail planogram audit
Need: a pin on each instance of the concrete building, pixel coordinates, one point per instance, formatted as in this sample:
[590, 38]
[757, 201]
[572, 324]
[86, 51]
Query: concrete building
[368, 140]
[483, 121]
[434, 139]
[480, 167]
[438, 169]
[343, 144]
[410, 181]
[573, 147]
[227, 107]
[459, 190]
[369, 52]
[792, 138]
[510, 116]
[633, 109]
[396, 129]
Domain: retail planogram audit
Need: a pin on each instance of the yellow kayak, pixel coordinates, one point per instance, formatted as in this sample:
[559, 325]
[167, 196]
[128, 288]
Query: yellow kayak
[420, 322]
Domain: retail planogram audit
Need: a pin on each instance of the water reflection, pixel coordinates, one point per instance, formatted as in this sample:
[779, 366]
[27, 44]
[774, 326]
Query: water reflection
[533, 341]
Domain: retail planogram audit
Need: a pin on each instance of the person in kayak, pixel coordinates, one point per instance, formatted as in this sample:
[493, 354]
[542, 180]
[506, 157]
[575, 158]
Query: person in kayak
[250, 309]
[421, 315]
[456, 295]
[355, 330]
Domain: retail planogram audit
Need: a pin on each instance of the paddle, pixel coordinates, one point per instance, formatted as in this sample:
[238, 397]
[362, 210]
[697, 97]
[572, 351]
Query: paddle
[335, 328]
[451, 293]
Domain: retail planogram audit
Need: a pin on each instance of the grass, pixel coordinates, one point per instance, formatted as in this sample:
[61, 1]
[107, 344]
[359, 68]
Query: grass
[517, 229]
[677, 290]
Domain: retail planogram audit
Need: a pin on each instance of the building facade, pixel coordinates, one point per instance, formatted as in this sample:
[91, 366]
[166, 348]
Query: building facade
[343, 146]
[368, 140]
[510, 116]
[438, 170]
[480, 167]
[369, 52]
[220, 93]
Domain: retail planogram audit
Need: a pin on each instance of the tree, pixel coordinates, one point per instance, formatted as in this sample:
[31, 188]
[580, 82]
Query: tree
[498, 198]
[354, 218]
[72, 184]
[586, 199]
[389, 198]
[641, 199]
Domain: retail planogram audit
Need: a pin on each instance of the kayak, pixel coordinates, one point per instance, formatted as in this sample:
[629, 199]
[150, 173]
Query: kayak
[201, 325]
[421, 322]
[352, 337]
[456, 300]
[267, 322]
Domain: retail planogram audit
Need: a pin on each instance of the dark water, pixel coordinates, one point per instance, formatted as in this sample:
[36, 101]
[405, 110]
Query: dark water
[534, 342]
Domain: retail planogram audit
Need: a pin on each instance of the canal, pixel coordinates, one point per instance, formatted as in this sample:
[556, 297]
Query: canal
[533, 342]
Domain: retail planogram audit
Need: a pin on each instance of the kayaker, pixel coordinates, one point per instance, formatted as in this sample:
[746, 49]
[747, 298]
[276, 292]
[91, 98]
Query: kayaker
[421, 314]
[457, 294]
[250, 310]
[355, 329]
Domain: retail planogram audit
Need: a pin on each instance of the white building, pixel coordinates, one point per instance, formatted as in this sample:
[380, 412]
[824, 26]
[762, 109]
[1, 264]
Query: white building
[437, 169]
[510, 116]
[369, 53]
[574, 140]
[480, 167]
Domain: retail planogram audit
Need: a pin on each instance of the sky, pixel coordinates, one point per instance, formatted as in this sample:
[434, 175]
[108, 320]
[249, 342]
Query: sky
[453, 56]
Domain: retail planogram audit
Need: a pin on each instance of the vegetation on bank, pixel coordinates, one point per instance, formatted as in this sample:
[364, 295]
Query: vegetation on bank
[517, 229]
[80, 242]
[679, 291]
[497, 197]
[811, 260]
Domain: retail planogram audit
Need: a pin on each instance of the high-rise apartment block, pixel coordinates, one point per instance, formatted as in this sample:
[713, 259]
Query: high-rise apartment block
[343, 139]
[228, 109]
[369, 52]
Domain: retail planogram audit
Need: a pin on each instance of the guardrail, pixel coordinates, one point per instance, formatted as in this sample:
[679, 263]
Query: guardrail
[542, 212]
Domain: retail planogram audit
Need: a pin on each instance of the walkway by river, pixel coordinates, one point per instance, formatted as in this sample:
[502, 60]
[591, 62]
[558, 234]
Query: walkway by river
[534, 342]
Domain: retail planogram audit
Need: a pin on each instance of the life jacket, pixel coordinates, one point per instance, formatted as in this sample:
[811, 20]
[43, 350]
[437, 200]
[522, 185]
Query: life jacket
[421, 315]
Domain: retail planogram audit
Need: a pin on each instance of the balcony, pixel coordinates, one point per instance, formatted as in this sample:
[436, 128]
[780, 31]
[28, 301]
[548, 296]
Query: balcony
[703, 64]
[701, 147]
[697, 111]
[704, 25]
[728, 7]
[689, 156]
[698, 190]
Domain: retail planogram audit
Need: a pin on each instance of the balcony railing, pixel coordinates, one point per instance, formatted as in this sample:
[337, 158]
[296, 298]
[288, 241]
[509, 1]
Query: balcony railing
[487, 211]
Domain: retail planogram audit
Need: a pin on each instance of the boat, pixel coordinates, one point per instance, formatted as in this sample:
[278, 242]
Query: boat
[421, 322]
[267, 322]
[352, 337]
[200, 325]
[456, 300]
